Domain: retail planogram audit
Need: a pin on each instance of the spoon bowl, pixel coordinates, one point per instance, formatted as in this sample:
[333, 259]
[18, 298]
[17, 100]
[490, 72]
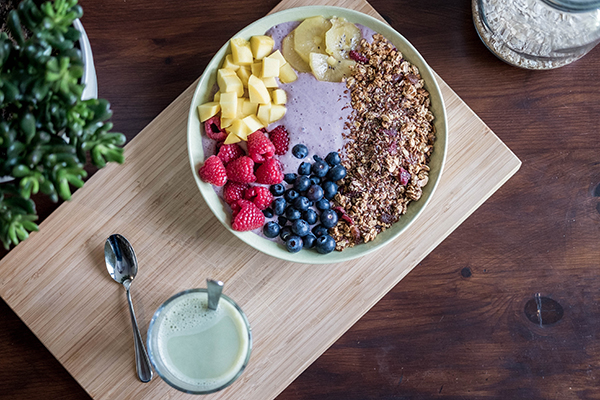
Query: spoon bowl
[120, 258]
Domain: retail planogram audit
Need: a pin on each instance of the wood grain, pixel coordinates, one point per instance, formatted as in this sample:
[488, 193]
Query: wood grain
[154, 202]
[439, 332]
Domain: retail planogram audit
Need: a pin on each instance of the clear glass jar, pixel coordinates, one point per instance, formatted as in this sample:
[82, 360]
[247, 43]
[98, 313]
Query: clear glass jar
[538, 34]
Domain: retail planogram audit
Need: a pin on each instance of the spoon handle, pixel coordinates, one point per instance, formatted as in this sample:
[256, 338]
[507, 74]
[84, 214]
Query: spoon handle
[142, 362]
[214, 289]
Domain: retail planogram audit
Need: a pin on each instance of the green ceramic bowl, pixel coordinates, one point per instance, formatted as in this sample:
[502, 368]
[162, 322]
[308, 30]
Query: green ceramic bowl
[202, 95]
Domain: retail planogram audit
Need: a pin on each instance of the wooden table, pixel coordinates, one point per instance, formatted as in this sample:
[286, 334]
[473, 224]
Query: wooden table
[463, 323]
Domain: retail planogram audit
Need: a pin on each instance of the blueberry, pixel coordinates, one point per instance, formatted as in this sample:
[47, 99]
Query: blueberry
[315, 193]
[281, 220]
[292, 214]
[279, 205]
[304, 169]
[325, 244]
[323, 204]
[302, 183]
[290, 178]
[301, 203]
[271, 229]
[300, 151]
[333, 158]
[277, 190]
[315, 180]
[329, 218]
[320, 230]
[317, 158]
[320, 168]
[290, 195]
[294, 243]
[336, 173]
[330, 189]
[268, 213]
[309, 240]
[285, 232]
[300, 227]
[310, 216]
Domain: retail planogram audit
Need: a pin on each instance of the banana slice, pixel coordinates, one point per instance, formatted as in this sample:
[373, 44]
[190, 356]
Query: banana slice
[341, 38]
[310, 36]
[290, 54]
[328, 68]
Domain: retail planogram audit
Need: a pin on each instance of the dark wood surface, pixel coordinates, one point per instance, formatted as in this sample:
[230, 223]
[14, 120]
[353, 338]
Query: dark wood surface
[462, 324]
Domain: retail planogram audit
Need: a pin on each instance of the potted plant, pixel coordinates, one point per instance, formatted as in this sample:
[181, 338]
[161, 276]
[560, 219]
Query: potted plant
[48, 133]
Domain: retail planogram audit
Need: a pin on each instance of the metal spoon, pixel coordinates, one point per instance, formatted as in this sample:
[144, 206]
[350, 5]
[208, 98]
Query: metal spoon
[214, 289]
[122, 267]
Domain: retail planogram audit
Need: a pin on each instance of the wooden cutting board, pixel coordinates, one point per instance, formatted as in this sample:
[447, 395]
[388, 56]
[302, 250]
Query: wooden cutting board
[57, 282]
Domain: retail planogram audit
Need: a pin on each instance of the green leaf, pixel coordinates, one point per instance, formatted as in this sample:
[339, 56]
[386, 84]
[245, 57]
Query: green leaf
[30, 226]
[20, 171]
[14, 26]
[27, 124]
[11, 92]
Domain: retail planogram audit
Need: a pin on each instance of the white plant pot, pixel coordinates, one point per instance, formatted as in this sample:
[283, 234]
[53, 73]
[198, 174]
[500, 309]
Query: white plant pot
[89, 71]
[89, 74]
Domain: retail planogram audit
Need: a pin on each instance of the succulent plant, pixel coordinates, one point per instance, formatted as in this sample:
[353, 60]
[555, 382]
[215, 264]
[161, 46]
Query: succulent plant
[47, 132]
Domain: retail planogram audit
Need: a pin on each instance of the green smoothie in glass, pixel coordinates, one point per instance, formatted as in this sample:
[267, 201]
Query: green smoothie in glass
[197, 350]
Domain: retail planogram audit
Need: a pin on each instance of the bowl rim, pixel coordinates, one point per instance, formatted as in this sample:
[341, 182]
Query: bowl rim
[440, 147]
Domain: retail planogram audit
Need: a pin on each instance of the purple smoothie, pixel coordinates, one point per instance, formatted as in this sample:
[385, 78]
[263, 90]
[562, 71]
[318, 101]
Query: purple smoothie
[315, 116]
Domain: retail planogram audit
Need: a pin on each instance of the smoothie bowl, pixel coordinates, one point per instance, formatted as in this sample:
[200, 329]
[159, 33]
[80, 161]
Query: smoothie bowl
[317, 134]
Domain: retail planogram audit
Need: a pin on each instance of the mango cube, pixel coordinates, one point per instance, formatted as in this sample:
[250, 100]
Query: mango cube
[241, 51]
[257, 90]
[263, 113]
[270, 68]
[239, 128]
[256, 69]
[240, 108]
[276, 113]
[228, 102]
[244, 73]
[270, 82]
[228, 81]
[253, 123]
[226, 122]
[207, 110]
[249, 107]
[232, 138]
[229, 64]
[287, 74]
[278, 56]
[261, 46]
[279, 96]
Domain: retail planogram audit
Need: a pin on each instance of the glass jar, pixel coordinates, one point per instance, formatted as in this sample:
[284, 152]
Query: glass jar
[538, 34]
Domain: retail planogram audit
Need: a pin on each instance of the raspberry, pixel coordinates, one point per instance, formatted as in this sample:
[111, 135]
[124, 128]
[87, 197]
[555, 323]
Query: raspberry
[212, 127]
[248, 217]
[269, 172]
[260, 196]
[213, 171]
[279, 138]
[356, 56]
[404, 176]
[259, 147]
[241, 170]
[233, 191]
[237, 206]
[229, 152]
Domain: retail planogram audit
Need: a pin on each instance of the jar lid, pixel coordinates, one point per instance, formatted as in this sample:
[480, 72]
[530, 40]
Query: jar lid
[574, 5]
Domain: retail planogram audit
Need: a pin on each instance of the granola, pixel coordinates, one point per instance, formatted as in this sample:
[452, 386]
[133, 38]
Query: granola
[390, 139]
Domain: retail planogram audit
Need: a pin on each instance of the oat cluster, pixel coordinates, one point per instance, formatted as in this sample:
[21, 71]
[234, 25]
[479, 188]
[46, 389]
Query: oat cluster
[390, 139]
